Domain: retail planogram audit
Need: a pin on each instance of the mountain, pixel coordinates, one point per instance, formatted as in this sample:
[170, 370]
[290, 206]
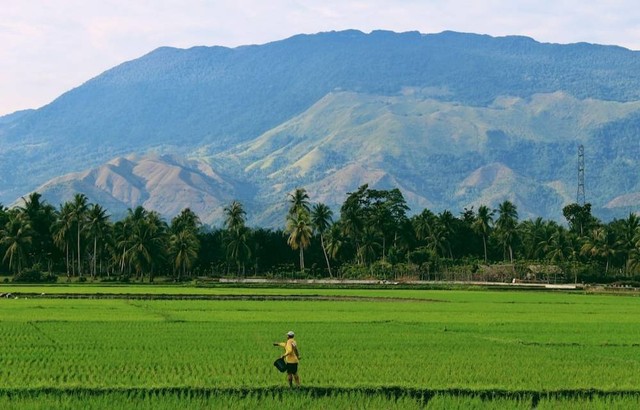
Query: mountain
[159, 182]
[10, 118]
[451, 119]
[440, 154]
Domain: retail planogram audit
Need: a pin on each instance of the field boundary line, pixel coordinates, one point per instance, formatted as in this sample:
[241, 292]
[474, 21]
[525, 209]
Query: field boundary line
[230, 297]
[323, 391]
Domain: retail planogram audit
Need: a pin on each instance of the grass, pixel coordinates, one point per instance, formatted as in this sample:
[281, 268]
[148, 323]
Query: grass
[478, 349]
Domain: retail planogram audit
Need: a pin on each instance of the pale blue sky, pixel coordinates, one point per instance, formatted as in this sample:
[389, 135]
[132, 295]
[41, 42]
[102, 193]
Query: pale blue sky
[50, 46]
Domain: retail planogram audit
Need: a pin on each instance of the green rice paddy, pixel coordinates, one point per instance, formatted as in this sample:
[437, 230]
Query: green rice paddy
[360, 348]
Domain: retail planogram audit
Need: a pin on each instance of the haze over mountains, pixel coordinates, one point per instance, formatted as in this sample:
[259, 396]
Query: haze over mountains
[453, 120]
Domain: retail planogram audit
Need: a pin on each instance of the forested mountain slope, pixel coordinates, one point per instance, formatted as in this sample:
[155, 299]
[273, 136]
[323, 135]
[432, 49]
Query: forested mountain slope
[424, 112]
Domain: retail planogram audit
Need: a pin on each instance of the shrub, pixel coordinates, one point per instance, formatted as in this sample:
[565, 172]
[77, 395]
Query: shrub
[34, 276]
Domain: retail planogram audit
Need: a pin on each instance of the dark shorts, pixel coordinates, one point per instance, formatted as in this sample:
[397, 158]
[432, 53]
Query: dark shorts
[292, 368]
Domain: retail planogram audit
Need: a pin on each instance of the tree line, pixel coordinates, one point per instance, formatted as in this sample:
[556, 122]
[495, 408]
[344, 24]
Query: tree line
[373, 236]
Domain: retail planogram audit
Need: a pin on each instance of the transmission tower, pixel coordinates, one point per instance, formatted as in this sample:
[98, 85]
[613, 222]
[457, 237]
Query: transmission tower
[580, 197]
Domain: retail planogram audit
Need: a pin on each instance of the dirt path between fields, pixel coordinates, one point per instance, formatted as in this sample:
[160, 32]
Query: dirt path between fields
[247, 297]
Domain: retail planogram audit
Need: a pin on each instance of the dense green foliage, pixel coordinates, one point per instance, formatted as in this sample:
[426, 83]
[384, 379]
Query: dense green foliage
[374, 349]
[373, 238]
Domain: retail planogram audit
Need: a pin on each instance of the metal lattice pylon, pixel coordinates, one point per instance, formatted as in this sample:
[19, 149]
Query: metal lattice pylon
[580, 198]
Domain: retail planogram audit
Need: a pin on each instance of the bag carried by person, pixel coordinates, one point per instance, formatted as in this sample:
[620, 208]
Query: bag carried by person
[280, 365]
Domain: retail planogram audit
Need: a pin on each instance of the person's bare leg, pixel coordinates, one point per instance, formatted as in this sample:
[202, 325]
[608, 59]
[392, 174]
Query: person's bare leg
[290, 380]
[295, 376]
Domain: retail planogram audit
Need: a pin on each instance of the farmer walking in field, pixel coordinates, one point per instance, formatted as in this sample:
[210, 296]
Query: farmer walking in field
[291, 357]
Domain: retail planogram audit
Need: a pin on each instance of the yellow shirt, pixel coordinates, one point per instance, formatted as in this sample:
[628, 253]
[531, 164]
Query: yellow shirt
[290, 351]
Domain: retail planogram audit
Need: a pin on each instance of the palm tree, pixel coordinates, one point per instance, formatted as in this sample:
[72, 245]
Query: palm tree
[335, 240]
[237, 234]
[234, 216]
[17, 237]
[431, 232]
[300, 232]
[184, 243]
[147, 244]
[396, 206]
[41, 217]
[626, 232]
[184, 247]
[299, 201]
[561, 246]
[368, 245]
[482, 225]
[78, 213]
[62, 232]
[321, 220]
[97, 225]
[121, 244]
[238, 248]
[506, 226]
[352, 216]
[535, 238]
[600, 244]
[424, 225]
[186, 220]
[124, 235]
[298, 222]
[446, 221]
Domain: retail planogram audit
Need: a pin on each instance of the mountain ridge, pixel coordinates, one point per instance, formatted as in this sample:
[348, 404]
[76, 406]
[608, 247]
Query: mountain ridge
[423, 111]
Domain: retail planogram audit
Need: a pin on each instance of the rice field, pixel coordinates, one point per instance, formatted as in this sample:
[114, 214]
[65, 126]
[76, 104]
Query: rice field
[360, 348]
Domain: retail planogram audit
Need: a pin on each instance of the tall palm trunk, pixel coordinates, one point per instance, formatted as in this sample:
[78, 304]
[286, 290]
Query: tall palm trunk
[79, 259]
[95, 255]
[122, 263]
[301, 259]
[484, 242]
[326, 257]
[67, 252]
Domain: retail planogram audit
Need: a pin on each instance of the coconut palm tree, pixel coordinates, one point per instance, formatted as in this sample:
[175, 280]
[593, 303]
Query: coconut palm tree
[335, 240]
[78, 213]
[186, 220]
[41, 217]
[626, 232]
[97, 226]
[62, 233]
[447, 223]
[561, 246]
[353, 218]
[429, 230]
[298, 201]
[183, 248]
[123, 232]
[506, 225]
[234, 215]
[147, 244]
[184, 244]
[535, 236]
[321, 216]
[121, 243]
[600, 244]
[368, 245]
[17, 237]
[237, 234]
[300, 232]
[482, 225]
[238, 248]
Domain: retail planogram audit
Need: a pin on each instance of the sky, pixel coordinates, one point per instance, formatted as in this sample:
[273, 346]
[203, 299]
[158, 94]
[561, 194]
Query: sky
[48, 47]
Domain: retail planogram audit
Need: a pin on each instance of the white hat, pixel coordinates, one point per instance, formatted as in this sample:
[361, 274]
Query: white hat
[290, 333]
